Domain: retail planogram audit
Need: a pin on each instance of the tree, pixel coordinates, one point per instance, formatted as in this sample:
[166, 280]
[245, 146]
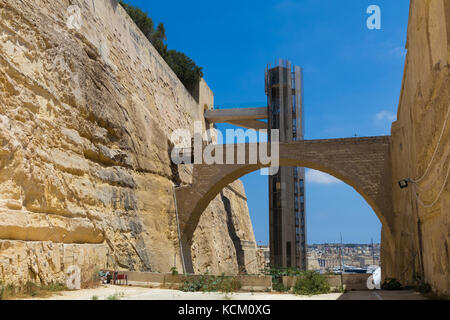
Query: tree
[185, 69]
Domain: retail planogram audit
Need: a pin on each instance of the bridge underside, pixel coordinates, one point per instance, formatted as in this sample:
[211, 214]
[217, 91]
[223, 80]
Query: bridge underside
[363, 163]
[242, 117]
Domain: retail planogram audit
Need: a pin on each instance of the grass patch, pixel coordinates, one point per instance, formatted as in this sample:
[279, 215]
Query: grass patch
[311, 283]
[115, 296]
[278, 273]
[30, 290]
[7, 292]
[209, 283]
[279, 287]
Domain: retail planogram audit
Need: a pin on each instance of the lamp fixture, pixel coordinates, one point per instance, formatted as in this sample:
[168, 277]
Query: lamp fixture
[404, 183]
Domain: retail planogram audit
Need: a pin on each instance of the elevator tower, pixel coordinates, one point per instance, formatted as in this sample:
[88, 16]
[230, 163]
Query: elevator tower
[287, 215]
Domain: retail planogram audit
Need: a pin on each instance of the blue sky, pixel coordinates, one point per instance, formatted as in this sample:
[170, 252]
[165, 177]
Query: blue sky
[352, 82]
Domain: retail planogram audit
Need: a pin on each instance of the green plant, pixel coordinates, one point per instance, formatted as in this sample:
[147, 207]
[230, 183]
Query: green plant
[391, 284]
[55, 287]
[310, 283]
[209, 283]
[6, 291]
[10, 291]
[115, 296]
[174, 271]
[31, 289]
[94, 298]
[277, 272]
[185, 69]
[230, 285]
[279, 287]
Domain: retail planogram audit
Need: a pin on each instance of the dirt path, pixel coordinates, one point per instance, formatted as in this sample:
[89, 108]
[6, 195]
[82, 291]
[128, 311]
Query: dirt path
[111, 292]
[139, 293]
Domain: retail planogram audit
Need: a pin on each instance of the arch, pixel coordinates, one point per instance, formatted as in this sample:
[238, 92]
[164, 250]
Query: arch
[362, 163]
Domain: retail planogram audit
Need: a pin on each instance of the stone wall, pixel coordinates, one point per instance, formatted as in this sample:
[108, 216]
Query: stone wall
[225, 215]
[420, 151]
[85, 119]
[349, 281]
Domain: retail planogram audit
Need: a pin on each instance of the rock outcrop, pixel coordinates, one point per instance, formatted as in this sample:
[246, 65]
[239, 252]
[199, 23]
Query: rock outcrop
[86, 110]
[212, 252]
[419, 248]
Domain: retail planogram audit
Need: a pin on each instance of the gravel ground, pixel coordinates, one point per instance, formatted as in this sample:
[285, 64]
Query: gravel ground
[140, 293]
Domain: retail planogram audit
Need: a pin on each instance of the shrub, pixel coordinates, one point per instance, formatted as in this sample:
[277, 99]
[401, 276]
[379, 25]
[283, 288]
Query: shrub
[30, 289]
[174, 271]
[391, 284]
[55, 287]
[310, 283]
[7, 291]
[114, 296]
[279, 287]
[208, 283]
[231, 285]
[277, 273]
[185, 69]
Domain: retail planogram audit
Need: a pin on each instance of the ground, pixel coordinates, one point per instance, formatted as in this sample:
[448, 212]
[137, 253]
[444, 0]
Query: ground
[111, 292]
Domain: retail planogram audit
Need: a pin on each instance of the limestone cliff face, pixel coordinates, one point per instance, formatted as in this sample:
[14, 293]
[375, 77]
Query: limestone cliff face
[420, 151]
[85, 173]
[226, 214]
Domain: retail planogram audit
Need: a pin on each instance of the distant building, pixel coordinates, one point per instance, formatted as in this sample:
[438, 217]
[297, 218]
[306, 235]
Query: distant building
[356, 256]
[365, 261]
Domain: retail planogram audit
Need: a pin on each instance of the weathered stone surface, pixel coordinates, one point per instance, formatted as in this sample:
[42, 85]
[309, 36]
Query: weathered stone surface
[46, 261]
[420, 247]
[85, 120]
[226, 214]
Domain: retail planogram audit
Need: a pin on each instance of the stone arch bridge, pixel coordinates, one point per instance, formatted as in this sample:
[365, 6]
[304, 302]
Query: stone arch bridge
[363, 163]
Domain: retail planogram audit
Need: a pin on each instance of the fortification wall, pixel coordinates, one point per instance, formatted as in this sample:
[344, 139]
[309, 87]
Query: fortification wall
[420, 151]
[85, 119]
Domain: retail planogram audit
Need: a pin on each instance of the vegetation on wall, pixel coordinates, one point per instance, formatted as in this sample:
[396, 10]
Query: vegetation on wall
[391, 284]
[307, 282]
[30, 290]
[311, 283]
[210, 283]
[185, 69]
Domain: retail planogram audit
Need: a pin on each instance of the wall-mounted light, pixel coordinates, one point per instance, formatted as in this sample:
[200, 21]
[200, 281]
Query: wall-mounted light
[403, 183]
